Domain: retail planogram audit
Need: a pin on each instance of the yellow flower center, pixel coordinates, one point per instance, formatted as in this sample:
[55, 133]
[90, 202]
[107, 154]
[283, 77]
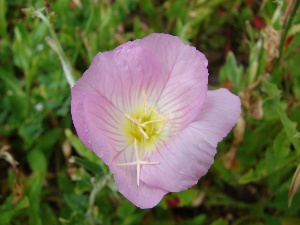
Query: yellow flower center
[145, 125]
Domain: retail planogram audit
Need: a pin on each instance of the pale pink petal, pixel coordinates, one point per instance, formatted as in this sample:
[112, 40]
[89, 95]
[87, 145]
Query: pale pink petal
[122, 77]
[125, 74]
[189, 155]
[187, 77]
[78, 114]
[143, 196]
[103, 122]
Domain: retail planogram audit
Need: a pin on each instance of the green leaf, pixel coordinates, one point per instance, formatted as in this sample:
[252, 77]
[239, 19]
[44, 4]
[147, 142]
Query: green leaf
[37, 161]
[187, 197]
[7, 210]
[289, 127]
[91, 166]
[21, 48]
[220, 222]
[34, 191]
[77, 217]
[231, 70]
[22, 204]
[297, 135]
[46, 142]
[270, 160]
[224, 173]
[11, 81]
[3, 22]
[254, 175]
[64, 183]
[49, 213]
[80, 148]
[125, 209]
[197, 220]
[295, 184]
[281, 145]
[271, 89]
[77, 202]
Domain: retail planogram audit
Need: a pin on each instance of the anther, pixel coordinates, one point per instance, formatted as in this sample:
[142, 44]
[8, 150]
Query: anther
[139, 124]
[143, 132]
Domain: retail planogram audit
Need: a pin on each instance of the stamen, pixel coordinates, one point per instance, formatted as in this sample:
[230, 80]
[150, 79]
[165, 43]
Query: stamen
[152, 128]
[153, 121]
[155, 111]
[145, 102]
[139, 124]
[132, 127]
[143, 132]
[164, 120]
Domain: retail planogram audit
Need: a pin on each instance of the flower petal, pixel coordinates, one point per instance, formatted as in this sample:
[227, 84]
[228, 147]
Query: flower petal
[122, 77]
[187, 77]
[125, 74]
[102, 122]
[78, 96]
[189, 155]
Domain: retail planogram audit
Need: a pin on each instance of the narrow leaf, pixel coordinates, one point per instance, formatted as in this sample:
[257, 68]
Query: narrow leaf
[80, 148]
[289, 126]
[294, 185]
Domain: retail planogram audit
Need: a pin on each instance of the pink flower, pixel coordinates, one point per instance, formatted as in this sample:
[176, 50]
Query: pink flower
[144, 109]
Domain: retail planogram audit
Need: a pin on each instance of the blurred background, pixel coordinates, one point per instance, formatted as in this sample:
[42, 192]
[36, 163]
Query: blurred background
[47, 176]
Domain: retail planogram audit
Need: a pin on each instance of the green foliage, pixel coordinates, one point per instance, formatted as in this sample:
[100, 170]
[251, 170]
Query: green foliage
[253, 50]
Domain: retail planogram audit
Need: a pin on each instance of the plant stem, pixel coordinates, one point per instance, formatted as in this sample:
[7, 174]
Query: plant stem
[54, 43]
[97, 187]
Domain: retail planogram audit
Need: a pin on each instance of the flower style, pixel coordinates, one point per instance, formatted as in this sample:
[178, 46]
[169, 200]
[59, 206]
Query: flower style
[144, 109]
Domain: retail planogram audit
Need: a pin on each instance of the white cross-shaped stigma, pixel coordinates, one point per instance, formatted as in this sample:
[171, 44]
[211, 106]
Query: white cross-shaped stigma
[138, 162]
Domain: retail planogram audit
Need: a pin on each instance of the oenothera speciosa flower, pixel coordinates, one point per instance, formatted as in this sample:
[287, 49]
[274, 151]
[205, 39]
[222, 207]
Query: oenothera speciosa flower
[144, 109]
